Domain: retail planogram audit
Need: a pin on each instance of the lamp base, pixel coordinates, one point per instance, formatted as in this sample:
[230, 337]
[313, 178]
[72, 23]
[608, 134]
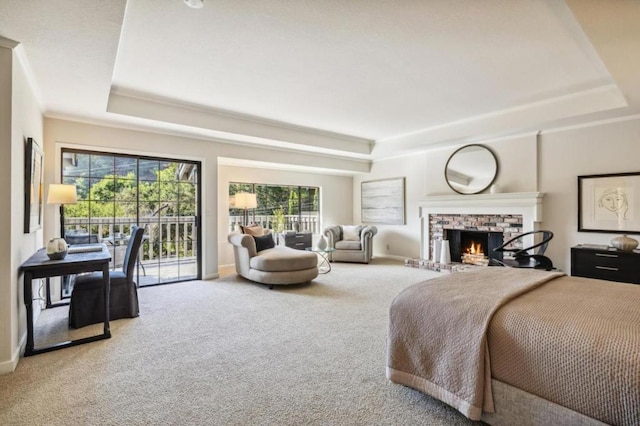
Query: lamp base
[61, 221]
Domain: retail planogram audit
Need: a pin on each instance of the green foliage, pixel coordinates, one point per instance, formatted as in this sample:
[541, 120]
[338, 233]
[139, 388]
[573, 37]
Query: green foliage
[279, 219]
[108, 187]
[117, 196]
[293, 202]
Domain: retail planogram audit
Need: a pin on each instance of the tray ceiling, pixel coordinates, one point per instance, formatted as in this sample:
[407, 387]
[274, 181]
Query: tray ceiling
[358, 79]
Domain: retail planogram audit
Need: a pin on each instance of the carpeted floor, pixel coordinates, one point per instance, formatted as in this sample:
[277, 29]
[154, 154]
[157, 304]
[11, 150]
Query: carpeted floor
[231, 352]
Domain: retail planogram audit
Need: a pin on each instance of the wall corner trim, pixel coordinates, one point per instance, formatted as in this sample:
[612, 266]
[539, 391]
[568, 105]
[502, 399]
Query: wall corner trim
[8, 43]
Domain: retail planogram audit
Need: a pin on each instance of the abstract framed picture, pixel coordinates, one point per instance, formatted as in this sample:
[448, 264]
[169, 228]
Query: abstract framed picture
[609, 203]
[33, 186]
[383, 201]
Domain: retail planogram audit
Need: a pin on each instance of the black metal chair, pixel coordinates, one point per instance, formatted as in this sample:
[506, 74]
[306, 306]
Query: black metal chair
[522, 257]
[87, 305]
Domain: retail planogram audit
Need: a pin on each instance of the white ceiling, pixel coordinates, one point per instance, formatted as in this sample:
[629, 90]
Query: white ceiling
[356, 79]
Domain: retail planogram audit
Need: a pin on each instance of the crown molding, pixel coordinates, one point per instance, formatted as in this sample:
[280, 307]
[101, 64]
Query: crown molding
[21, 55]
[8, 43]
[239, 149]
[503, 122]
[142, 105]
[594, 123]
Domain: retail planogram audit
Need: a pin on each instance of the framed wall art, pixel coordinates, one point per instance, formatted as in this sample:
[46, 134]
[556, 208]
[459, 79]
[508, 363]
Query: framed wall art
[609, 203]
[383, 201]
[33, 186]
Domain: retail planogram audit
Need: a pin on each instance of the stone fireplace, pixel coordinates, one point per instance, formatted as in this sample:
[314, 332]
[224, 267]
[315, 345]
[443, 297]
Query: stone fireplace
[487, 220]
[472, 246]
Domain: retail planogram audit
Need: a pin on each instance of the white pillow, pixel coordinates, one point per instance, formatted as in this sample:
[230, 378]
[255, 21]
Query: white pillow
[351, 233]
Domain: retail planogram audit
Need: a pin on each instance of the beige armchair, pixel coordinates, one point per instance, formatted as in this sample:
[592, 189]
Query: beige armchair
[274, 265]
[352, 243]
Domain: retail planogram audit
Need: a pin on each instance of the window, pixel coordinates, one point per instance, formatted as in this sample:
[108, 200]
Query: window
[279, 207]
[118, 191]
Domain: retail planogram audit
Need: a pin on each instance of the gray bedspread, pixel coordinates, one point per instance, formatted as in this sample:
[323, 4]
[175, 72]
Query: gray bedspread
[437, 342]
[576, 342]
[572, 341]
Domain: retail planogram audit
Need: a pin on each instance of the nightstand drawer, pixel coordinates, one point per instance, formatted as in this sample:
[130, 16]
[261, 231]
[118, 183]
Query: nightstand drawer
[592, 257]
[601, 272]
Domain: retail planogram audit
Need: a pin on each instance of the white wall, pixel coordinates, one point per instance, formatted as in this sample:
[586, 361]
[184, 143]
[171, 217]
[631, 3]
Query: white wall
[8, 299]
[20, 118]
[565, 155]
[424, 175]
[548, 163]
[335, 195]
[402, 240]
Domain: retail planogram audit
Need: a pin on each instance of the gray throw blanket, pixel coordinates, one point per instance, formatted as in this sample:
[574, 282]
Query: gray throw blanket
[437, 341]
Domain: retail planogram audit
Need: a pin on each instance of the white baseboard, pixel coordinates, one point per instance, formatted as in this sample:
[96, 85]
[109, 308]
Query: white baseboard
[390, 256]
[9, 366]
[211, 277]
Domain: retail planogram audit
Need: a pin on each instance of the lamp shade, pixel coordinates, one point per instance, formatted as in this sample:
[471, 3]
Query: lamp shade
[245, 200]
[61, 193]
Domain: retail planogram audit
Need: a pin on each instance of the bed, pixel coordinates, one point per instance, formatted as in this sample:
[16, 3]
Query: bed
[518, 346]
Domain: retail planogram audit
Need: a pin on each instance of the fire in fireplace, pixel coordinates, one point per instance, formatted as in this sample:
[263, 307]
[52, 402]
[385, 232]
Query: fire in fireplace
[474, 247]
[474, 254]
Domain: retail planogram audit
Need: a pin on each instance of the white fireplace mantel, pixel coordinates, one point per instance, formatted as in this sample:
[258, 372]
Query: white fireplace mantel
[527, 204]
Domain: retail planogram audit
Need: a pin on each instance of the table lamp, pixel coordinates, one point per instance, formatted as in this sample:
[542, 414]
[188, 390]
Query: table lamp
[245, 200]
[62, 193]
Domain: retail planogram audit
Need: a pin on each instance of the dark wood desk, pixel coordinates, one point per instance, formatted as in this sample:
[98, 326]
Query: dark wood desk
[40, 266]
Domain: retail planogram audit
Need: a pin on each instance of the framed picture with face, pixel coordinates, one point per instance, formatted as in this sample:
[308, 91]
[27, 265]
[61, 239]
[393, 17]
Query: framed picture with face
[609, 203]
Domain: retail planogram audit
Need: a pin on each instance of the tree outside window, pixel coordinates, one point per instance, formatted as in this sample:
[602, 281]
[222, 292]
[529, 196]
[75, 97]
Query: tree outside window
[279, 207]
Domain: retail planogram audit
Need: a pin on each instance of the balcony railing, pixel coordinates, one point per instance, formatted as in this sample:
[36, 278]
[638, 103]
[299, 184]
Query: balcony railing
[308, 223]
[165, 237]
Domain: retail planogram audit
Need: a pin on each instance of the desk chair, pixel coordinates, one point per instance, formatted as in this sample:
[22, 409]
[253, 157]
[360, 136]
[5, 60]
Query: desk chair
[80, 238]
[72, 237]
[114, 241]
[87, 306]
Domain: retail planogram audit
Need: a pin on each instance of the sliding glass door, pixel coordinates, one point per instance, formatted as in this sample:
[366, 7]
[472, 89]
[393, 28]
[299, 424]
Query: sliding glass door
[116, 192]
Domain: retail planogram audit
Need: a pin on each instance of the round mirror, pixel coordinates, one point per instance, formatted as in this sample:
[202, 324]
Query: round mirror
[471, 169]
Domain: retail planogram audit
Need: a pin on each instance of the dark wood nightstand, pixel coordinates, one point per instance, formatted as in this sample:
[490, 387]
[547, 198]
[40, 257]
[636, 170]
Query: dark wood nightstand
[297, 240]
[606, 264]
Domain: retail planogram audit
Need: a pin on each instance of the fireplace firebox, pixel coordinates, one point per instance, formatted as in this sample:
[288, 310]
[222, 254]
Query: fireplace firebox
[474, 247]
